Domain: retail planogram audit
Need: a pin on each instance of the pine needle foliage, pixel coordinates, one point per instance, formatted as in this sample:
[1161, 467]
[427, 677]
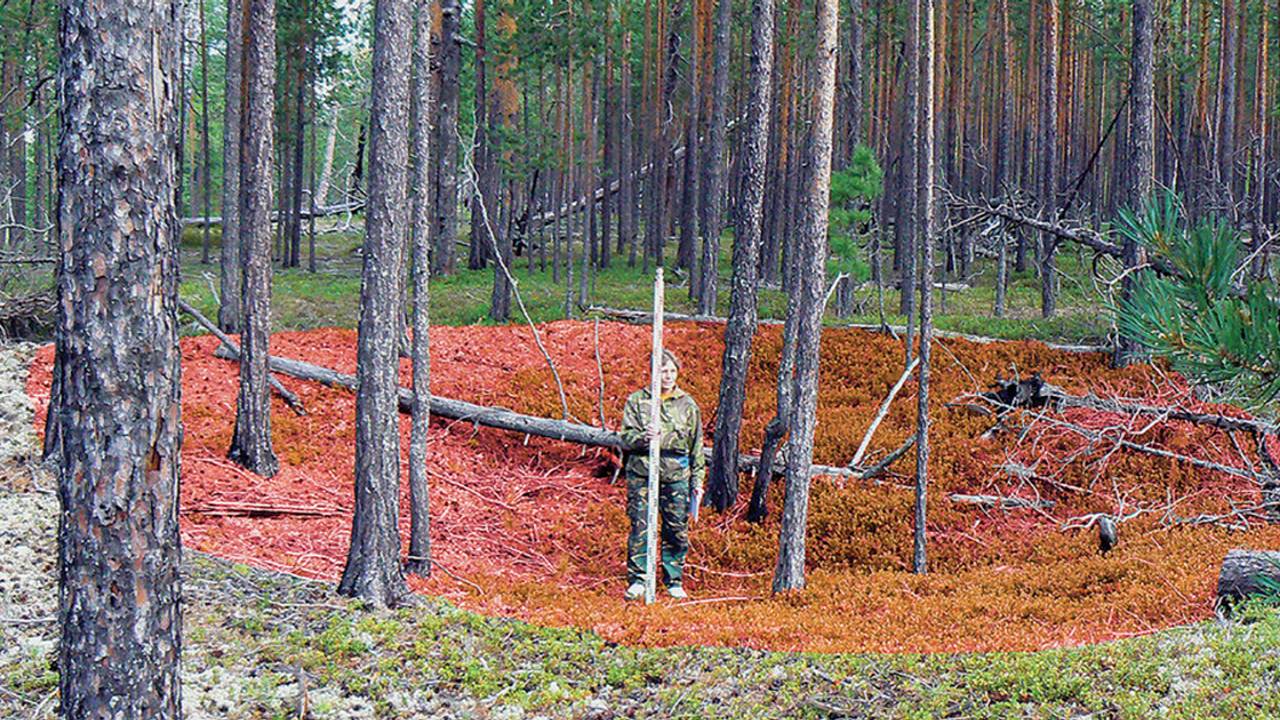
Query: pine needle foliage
[853, 190]
[1212, 322]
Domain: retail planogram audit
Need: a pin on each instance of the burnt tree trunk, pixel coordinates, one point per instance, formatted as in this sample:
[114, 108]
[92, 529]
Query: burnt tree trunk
[373, 570]
[722, 483]
[117, 343]
[811, 247]
[251, 439]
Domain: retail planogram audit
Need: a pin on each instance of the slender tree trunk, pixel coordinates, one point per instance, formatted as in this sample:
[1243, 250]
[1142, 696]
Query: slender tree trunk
[311, 167]
[446, 192]
[927, 224]
[119, 416]
[714, 159]
[1225, 150]
[687, 250]
[1141, 162]
[1262, 108]
[419, 562]
[251, 439]
[1049, 158]
[722, 484]
[326, 170]
[907, 212]
[812, 243]
[230, 316]
[1001, 179]
[479, 254]
[373, 570]
[627, 183]
[204, 131]
[293, 243]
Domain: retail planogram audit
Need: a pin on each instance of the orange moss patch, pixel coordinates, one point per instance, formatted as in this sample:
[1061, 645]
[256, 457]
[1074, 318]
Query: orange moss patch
[534, 529]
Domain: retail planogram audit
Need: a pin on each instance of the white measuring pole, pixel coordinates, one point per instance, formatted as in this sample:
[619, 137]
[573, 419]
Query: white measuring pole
[655, 449]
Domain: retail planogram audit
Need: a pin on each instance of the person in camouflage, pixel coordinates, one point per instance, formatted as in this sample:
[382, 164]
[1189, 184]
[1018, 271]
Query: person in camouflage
[682, 469]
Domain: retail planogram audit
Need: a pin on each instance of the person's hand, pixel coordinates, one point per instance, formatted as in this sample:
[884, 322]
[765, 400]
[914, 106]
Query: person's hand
[695, 501]
[653, 434]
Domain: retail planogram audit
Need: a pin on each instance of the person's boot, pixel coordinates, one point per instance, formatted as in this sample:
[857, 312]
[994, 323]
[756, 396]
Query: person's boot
[635, 591]
[677, 592]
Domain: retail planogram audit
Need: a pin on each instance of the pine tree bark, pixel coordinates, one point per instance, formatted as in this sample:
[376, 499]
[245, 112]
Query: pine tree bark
[230, 315]
[627, 185]
[722, 482]
[714, 161]
[687, 249]
[372, 570]
[812, 242]
[1226, 138]
[419, 561]
[478, 255]
[206, 175]
[1141, 162]
[251, 438]
[446, 191]
[1262, 110]
[117, 342]
[1048, 141]
[927, 224]
[907, 212]
[1000, 186]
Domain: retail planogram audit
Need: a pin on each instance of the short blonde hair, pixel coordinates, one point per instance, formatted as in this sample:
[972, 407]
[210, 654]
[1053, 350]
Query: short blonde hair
[670, 357]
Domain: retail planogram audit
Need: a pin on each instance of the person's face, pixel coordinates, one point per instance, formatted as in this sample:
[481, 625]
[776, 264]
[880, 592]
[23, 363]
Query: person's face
[668, 376]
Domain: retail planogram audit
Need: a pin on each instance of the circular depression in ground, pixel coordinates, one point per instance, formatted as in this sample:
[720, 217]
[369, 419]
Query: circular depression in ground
[535, 529]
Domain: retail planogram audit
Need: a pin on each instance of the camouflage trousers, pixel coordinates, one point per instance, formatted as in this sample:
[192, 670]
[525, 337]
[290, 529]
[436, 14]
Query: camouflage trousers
[673, 511]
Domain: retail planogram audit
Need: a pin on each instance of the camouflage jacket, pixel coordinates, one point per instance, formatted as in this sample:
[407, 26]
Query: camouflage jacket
[681, 422]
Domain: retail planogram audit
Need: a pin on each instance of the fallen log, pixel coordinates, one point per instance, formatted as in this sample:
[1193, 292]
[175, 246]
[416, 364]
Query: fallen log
[290, 399]
[1005, 503]
[28, 315]
[245, 509]
[200, 221]
[640, 317]
[1248, 573]
[504, 419]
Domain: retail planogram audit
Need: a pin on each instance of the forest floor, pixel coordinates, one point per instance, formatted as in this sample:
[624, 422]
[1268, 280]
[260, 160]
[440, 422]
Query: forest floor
[502, 633]
[262, 644]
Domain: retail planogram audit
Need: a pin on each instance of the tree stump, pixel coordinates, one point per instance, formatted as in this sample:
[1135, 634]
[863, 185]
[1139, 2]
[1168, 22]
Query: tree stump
[1248, 573]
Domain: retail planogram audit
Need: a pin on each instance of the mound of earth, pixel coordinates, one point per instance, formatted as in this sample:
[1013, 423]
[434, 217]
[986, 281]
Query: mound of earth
[535, 529]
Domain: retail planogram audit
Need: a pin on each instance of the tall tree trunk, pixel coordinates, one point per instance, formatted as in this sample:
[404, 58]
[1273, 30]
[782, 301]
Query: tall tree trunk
[927, 224]
[1049, 158]
[373, 570]
[1141, 162]
[1001, 178]
[230, 316]
[15, 118]
[207, 174]
[119, 416]
[627, 183]
[722, 483]
[687, 250]
[907, 211]
[326, 170]
[714, 163]
[478, 256]
[251, 439]
[446, 191]
[810, 267]
[419, 562]
[293, 242]
[1225, 150]
[1262, 108]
